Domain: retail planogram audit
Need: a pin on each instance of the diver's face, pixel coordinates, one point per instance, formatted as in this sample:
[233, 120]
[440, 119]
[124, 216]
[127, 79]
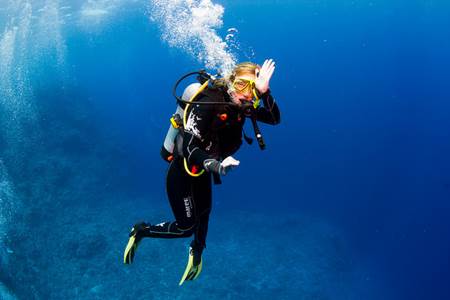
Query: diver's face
[243, 86]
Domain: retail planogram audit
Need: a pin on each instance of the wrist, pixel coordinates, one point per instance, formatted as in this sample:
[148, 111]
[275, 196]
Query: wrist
[212, 165]
[262, 94]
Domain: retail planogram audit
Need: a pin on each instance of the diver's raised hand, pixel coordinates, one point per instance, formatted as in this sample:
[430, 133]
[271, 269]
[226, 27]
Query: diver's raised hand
[263, 75]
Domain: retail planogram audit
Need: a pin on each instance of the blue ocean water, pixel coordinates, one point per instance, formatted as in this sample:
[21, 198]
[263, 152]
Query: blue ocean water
[351, 199]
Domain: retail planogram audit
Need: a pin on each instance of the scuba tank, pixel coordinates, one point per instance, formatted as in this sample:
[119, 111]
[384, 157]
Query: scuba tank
[168, 147]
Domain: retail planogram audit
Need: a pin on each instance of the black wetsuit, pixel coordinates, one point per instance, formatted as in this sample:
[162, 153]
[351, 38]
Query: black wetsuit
[211, 131]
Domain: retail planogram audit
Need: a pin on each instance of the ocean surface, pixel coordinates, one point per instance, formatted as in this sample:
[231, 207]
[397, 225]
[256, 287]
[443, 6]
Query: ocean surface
[350, 200]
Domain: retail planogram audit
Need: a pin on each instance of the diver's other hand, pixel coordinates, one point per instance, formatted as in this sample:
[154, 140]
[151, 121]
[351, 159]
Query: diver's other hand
[263, 75]
[221, 168]
[229, 164]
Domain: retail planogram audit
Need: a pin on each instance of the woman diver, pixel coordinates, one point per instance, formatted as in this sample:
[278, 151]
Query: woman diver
[211, 132]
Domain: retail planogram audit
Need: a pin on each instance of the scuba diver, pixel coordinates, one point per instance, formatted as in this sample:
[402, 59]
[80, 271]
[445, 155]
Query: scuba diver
[206, 131]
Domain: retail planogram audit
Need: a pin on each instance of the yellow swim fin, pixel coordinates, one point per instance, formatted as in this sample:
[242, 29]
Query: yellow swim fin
[130, 250]
[133, 242]
[191, 272]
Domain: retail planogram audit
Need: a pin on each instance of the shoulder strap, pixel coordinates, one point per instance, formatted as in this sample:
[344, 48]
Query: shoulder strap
[202, 87]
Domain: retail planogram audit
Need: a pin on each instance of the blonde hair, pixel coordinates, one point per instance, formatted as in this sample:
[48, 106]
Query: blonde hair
[238, 70]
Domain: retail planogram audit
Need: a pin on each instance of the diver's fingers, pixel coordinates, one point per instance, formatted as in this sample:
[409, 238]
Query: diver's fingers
[271, 64]
[268, 65]
[265, 65]
[230, 161]
[263, 72]
[270, 72]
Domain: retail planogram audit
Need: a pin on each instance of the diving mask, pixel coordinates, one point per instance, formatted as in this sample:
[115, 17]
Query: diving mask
[246, 86]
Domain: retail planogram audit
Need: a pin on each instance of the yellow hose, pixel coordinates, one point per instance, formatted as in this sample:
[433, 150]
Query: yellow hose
[202, 87]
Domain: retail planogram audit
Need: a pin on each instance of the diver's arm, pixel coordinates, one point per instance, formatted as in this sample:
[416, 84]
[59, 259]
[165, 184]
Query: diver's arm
[269, 113]
[221, 168]
[198, 124]
[192, 150]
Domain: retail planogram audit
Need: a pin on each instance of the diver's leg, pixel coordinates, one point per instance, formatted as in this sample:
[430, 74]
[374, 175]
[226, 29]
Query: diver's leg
[202, 195]
[179, 192]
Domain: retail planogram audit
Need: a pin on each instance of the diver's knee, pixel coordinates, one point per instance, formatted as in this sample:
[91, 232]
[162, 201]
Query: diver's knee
[187, 231]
